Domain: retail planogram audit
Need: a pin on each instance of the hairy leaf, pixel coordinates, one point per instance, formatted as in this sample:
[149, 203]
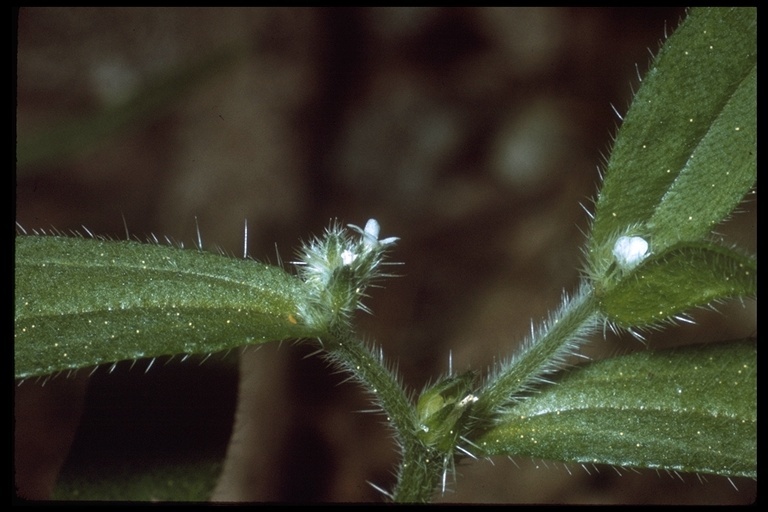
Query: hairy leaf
[84, 302]
[678, 279]
[685, 155]
[690, 409]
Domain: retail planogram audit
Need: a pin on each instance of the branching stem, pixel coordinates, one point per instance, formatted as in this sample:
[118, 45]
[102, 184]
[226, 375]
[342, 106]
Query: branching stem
[420, 466]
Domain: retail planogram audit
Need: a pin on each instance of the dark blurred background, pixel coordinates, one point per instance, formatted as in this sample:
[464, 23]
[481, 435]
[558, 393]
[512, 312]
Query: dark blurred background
[473, 134]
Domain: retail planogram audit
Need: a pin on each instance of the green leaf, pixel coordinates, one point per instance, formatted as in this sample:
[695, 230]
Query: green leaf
[685, 155]
[691, 409]
[84, 302]
[680, 278]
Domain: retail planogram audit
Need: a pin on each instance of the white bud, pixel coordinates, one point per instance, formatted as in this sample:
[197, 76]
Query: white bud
[629, 251]
[347, 257]
[372, 228]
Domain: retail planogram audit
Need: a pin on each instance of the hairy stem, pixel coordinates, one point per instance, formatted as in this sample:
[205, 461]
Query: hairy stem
[560, 336]
[419, 474]
[420, 466]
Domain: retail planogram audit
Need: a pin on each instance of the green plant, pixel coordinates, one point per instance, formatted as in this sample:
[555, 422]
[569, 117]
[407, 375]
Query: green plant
[684, 158]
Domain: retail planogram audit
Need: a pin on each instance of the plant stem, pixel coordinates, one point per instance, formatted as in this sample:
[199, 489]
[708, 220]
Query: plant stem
[419, 474]
[560, 336]
[420, 467]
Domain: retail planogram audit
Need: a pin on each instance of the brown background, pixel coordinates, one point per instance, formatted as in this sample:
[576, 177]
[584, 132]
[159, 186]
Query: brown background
[473, 134]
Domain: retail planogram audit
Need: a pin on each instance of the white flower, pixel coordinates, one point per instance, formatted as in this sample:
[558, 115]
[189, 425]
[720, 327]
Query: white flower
[347, 257]
[338, 268]
[371, 234]
[629, 251]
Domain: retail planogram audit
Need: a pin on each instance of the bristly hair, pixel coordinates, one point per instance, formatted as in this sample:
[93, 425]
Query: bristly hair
[338, 267]
[544, 352]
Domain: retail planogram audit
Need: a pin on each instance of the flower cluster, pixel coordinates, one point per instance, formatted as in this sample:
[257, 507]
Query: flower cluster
[338, 267]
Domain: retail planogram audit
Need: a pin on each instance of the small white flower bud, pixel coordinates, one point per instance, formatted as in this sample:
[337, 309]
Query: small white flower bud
[629, 251]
